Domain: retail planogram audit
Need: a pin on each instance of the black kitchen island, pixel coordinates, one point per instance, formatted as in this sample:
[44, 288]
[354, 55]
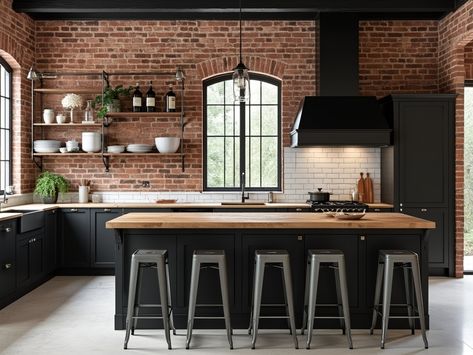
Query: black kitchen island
[240, 234]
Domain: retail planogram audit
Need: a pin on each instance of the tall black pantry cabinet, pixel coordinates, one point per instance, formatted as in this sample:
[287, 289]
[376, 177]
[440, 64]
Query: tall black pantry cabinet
[418, 170]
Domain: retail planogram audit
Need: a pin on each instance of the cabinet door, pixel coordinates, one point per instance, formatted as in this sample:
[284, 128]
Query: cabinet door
[438, 237]
[103, 239]
[425, 130]
[75, 235]
[272, 287]
[50, 240]
[23, 262]
[349, 245]
[36, 255]
[7, 258]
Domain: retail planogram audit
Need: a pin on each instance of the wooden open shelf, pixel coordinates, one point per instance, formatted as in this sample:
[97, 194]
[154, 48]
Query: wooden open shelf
[142, 114]
[70, 90]
[124, 154]
[79, 154]
[65, 125]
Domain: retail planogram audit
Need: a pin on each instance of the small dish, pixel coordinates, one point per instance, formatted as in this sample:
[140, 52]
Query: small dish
[350, 215]
[63, 150]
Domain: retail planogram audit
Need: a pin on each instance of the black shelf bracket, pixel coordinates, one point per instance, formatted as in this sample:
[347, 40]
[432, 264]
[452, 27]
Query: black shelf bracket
[38, 161]
[106, 162]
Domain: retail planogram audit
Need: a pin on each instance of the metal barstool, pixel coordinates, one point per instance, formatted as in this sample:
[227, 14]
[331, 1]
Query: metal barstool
[387, 261]
[141, 259]
[208, 259]
[335, 259]
[280, 259]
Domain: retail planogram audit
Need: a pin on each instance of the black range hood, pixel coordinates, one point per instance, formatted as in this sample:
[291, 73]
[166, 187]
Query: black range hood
[340, 121]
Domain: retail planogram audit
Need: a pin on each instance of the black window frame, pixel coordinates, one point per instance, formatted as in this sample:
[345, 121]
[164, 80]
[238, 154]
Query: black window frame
[468, 84]
[253, 76]
[9, 70]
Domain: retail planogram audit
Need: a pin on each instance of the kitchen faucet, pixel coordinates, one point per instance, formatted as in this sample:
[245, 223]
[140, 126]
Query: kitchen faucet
[243, 197]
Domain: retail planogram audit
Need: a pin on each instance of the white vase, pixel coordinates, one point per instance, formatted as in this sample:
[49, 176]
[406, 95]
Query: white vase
[83, 194]
[48, 115]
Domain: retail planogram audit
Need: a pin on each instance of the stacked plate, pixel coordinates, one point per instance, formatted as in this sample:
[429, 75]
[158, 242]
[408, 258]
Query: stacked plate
[46, 146]
[116, 149]
[139, 148]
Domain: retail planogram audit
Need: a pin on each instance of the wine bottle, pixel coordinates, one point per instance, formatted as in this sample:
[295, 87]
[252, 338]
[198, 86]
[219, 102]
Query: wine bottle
[150, 99]
[170, 100]
[137, 96]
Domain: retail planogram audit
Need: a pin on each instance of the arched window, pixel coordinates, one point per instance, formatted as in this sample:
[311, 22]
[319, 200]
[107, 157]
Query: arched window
[5, 124]
[257, 152]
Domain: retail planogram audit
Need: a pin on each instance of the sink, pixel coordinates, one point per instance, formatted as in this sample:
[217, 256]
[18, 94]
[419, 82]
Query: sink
[236, 203]
[29, 220]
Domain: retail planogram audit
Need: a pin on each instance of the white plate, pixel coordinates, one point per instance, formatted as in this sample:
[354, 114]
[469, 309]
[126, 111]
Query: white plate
[46, 149]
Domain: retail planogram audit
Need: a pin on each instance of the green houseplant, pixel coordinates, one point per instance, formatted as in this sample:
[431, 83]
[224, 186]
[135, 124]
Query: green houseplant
[48, 185]
[110, 100]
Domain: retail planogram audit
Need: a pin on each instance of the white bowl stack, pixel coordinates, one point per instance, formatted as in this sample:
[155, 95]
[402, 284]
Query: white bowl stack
[116, 149]
[167, 144]
[139, 148]
[46, 146]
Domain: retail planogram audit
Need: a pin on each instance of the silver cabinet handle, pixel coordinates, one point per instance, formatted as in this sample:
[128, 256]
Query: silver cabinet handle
[74, 209]
[7, 266]
[400, 204]
[53, 211]
[377, 210]
[107, 210]
[298, 209]
[423, 209]
[362, 237]
[300, 237]
[400, 210]
[7, 230]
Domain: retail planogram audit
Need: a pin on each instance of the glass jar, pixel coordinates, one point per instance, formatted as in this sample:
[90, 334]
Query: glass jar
[89, 113]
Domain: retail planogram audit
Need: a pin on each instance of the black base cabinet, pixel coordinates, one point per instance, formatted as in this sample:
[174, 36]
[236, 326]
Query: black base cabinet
[102, 239]
[75, 238]
[361, 250]
[7, 259]
[30, 258]
[50, 241]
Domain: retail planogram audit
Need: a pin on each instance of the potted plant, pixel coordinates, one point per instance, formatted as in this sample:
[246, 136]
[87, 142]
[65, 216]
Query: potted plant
[48, 185]
[109, 101]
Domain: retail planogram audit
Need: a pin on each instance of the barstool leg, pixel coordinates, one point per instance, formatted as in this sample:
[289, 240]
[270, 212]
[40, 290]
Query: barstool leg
[306, 296]
[377, 296]
[171, 311]
[257, 291]
[137, 302]
[192, 299]
[345, 302]
[388, 281]
[407, 288]
[313, 284]
[419, 298]
[163, 294]
[285, 302]
[250, 326]
[290, 299]
[339, 298]
[131, 300]
[222, 271]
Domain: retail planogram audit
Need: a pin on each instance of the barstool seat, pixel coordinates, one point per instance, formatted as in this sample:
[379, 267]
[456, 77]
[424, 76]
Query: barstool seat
[280, 259]
[315, 260]
[201, 259]
[387, 261]
[141, 259]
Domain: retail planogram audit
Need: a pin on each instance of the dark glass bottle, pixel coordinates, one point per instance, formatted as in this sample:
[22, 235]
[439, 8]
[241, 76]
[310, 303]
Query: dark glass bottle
[150, 99]
[137, 99]
[170, 100]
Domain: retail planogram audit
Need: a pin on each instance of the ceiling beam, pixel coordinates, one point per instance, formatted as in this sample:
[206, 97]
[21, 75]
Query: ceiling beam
[192, 9]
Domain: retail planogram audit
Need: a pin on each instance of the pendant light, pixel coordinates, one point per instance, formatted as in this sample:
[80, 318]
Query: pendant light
[241, 78]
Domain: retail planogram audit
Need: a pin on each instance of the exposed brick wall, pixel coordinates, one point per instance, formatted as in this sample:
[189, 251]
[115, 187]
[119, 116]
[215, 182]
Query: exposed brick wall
[202, 49]
[469, 61]
[455, 32]
[398, 57]
[17, 48]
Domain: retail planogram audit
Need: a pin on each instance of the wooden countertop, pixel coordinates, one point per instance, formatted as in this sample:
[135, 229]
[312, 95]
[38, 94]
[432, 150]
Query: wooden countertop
[6, 216]
[270, 220]
[45, 207]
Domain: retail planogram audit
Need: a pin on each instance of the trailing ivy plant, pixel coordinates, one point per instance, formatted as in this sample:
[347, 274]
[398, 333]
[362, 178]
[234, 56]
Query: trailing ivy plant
[49, 184]
[109, 95]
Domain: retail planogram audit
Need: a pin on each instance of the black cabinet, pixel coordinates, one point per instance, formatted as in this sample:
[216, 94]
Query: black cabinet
[75, 238]
[7, 258]
[50, 240]
[29, 257]
[103, 239]
[418, 170]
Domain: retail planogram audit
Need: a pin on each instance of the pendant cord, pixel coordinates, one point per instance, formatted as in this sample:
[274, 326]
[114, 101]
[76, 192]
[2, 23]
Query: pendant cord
[241, 55]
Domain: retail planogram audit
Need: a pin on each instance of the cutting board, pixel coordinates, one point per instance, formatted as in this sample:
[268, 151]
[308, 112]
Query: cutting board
[369, 191]
[361, 188]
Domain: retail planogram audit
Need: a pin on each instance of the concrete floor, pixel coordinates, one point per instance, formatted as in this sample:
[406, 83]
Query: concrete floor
[74, 315]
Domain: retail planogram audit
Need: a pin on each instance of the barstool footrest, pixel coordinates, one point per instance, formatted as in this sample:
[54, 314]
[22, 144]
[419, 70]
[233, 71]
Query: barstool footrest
[209, 317]
[273, 317]
[328, 317]
[149, 305]
[209, 305]
[147, 317]
[274, 305]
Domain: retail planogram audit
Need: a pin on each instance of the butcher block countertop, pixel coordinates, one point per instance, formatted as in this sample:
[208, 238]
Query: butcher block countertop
[262, 220]
[6, 216]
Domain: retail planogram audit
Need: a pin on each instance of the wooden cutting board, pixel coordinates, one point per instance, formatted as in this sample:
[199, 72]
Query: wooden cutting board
[361, 188]
[369, 191]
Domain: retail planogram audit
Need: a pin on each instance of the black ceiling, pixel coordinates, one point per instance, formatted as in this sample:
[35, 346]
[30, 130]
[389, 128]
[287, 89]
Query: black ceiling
[228, 9]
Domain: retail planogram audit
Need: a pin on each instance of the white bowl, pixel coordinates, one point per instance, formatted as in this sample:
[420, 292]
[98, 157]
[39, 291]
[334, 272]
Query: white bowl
[46, 149]
[116, 148]
[47, 143]
[63, 150]
[167, 144]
